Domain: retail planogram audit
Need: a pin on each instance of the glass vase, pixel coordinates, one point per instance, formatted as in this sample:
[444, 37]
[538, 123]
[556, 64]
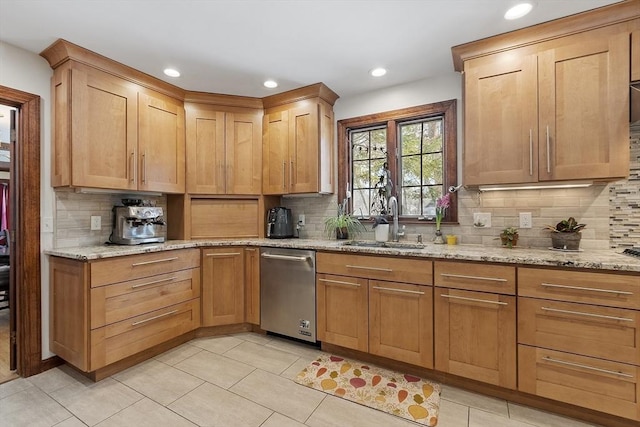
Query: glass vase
[438, 240]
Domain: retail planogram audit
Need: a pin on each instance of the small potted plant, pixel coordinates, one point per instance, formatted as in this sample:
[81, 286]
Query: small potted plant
[509, 237]
[566, 234]
[343, 225]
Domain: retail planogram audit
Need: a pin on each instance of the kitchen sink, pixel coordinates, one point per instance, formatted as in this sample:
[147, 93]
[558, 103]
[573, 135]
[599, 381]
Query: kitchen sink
[389, 245]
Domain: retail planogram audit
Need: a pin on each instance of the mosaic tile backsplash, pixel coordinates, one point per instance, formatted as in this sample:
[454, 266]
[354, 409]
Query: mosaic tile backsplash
[611, 212]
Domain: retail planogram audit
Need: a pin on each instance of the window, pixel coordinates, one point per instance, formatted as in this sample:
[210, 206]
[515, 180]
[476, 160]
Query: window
[408, 153]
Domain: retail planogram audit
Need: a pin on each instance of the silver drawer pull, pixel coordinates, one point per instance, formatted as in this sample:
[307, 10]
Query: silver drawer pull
[461, 276]
[223, 254]
[581, 288]
[339, 282]
[406, 291]
[388, 270]
[580, 313]
[140, 322]
[591, 368]
[285, 257]
[137, 264]
[474, 299]
[168, 279]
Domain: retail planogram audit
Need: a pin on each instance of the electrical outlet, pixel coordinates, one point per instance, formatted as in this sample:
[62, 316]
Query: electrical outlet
[482, 219]
[96, 222]
[47, 224]
[525, 220]
[301, 220]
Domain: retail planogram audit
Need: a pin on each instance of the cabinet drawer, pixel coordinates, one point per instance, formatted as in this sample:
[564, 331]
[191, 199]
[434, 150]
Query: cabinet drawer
[476, 277]
[130, 267]
[601, 385]
[113, 303]
[590, 330]
[390, 269]
[613, 290]
[114, 342]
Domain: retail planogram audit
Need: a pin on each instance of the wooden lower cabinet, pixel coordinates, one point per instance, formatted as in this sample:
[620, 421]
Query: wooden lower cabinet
[601, 385]
[342, 311]
[222, 286]
[475, 335]
[95, 323]
[252, 285]
[401, 322]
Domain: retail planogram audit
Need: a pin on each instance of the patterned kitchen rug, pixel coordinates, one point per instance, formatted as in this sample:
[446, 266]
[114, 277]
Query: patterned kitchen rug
[398, 394]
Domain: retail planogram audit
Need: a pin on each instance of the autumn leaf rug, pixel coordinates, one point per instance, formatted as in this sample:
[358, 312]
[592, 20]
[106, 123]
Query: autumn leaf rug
[398, 394]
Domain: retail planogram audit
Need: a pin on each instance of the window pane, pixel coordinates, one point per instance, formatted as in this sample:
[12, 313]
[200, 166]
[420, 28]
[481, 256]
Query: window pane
[379, 143]
[410, 137]
[432, 169]
[361, 178]
[411, 171]
[377, 170]
[429, 196]
[360, 145]
[411, 201]
[361, 202]
[432, 136]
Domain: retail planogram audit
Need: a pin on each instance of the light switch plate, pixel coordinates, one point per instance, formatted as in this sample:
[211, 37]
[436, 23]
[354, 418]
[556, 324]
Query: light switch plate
[525, 220]
[96, 222]
[301, 220]
[482, 219]
[47, 224]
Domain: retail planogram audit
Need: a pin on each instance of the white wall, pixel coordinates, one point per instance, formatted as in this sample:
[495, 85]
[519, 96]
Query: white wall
[29, 72]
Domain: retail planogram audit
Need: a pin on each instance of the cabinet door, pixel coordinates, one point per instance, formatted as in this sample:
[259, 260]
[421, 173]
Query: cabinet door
[475, 335]
[304, 138]
[275, 135]
[252, 286]
[584, 108]
[205, 150]
[243, 153]
[103, 131]
[501, 131]
[222, 286]
[343, 311]
[161, 143]
[327, 133]
[401, 322]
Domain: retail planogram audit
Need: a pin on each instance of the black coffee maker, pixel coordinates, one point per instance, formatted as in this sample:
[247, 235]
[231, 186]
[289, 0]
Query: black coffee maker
[279, 223]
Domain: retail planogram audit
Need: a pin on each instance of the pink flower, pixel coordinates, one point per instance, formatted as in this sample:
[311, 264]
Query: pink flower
[443, 202]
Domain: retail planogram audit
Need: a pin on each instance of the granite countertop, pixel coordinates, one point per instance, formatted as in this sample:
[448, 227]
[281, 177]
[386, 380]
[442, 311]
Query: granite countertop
[591, 259]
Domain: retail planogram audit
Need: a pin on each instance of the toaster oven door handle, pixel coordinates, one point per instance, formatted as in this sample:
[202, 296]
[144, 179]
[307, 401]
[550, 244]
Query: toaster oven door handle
[157, 261]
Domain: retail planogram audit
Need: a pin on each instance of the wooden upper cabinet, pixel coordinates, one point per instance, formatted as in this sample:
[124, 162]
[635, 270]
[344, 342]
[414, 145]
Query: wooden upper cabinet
[550, 111]
[298, 141]
[501, 130]
[635, 56]
[161, 143]
[224, 150]
[584, 87]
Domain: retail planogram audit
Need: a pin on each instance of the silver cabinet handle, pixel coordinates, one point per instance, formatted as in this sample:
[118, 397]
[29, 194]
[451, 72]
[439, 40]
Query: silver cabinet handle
[474, 299]
[157, 261]
[339, 282]
[250, 249]
[144, 167]
[159, 316]
[548, 152]
[141, 285]
[284, 257]
[284, 176]
[388, 270]
[461, 276]
[132, 170]
[581, 288]
[591, 368]
[531, 152]
[290, 172]
[580, 313]
[223, 254]
[406, 291]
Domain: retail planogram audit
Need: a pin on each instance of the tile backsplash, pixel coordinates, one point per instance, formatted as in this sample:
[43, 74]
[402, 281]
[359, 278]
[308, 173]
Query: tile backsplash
[611, 212]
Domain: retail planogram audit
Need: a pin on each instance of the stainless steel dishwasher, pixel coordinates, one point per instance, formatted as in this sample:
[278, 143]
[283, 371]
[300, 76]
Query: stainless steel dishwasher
[288, 292]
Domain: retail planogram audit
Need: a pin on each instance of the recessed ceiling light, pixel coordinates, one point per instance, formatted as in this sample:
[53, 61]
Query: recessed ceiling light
[518, 11]
[378, 72]
[270, 84]
[171, 72]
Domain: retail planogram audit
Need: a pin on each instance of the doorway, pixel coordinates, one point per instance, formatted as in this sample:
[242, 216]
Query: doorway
[24, 235]
[8, 121]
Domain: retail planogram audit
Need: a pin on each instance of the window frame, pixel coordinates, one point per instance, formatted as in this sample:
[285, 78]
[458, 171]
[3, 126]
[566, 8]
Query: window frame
[391, 119]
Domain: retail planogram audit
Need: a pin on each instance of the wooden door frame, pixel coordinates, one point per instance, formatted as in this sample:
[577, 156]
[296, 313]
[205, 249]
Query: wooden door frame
[25, 250]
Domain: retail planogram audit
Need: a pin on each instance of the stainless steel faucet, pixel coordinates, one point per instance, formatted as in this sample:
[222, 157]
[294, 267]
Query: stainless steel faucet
[393, 207]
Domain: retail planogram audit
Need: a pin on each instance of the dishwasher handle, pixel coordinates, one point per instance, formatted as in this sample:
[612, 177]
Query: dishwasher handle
[285, 257]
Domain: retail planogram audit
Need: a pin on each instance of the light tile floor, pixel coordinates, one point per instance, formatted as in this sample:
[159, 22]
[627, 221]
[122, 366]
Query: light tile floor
[242, 380]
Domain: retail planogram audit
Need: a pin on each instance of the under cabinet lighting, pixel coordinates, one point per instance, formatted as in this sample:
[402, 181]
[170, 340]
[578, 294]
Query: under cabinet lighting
[518, 11]
[542, 186]
[171, 72]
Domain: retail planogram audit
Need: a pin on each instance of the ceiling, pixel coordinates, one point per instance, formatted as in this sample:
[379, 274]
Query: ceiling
[232, 46]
